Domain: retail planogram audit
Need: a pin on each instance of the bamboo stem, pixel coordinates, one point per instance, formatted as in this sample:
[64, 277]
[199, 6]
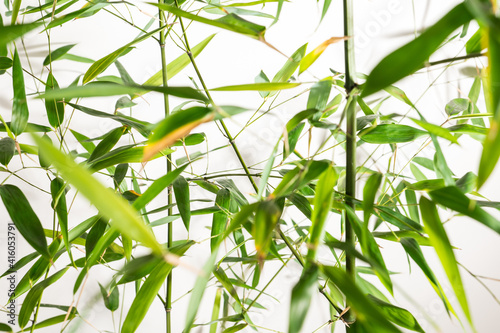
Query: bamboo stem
[168, 295]
[350, 110]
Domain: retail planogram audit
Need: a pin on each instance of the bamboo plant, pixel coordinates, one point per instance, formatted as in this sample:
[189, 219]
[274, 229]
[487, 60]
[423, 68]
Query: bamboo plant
[312, 200]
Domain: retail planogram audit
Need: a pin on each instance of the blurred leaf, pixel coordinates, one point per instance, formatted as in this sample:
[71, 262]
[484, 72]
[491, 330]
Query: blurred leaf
[34, 296]
[24, 218]
[122, 216]
[390, 133]
[456, 106]
[216, 310]
[436, 130]
[235, 328]
[366, 311]
[444, 250]
[397, 315]
[88, 10]
[409, 58]
[120, 173]
[319, 93]
[11, 33]
[5, 63]
[57, 54]
[54, 107]
[454, 199]
[300, 176]
[477, 42]
[302, 294]
[292, 139]
[5, 328]
[181, 192]
[20, 111]
[262, 78]
[7, 150]
[311, 57]
[221, 276]
[231, 22]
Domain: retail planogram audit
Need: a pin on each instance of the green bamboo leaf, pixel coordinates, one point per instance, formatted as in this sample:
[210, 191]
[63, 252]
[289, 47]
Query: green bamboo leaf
[34, 296]
[292, 138]
[491, 146]
[413, 249]
[52, 321]
[111, 298]
[141, 126]
[178, 64]
[58, 193]
[261, 87]
[291, 65]
[231, 22]
[54, 107]
[220, 219]
[157, 187]
[221, 276]
[397, 219]
[369, 192]
[176, 126]
[190, 140]
[453, 198]
[122, 216]
[107, 143]
[181, 192]
[88, 10]
[477, 42]
[24, 218]
[311, 57]
[409, 58]
[267, 216]
[397, 315]
[396, 235]
[7, 150]
[262, 78]
[5, 63]
[11, 33]
[365, 309]
[390, 133]
[300, 176]
[20, 111]
[100, 65]
[319, 93]
[322, 204]
[370, 248]
[444, 250]
[57, 54]
[94, 235]
[124, 154]
[436, 130]
[145, 297]
[457, 105]
[98, 89]
[267, 171]
[5, 328]
[216, 310]
[302, 294]
[235, 328]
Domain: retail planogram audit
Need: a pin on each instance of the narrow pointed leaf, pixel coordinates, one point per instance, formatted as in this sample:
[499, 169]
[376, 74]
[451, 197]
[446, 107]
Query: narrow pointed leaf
[220, 219]
[264, 86]
[369, 194]
[20, 111]
[397, 315]
[54, 107]
[181, 192]
[57, 54]
[58, 192]
[11, 33]
[7, 150]
[302, 293]
[311, 57]
[390, 133]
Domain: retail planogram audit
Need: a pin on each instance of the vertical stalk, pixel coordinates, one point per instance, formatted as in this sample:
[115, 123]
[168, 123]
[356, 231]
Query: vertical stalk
[168, 296]
[350, 110]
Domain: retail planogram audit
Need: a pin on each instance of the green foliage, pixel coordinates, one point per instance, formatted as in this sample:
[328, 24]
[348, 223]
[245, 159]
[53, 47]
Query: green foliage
[291, 198]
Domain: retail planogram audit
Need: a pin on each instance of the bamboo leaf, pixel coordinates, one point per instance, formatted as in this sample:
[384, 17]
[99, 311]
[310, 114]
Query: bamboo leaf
[11, 33]
[98, 89]
[444, 250]
[436, 130]
[181, 192]
[57, 54]
[54, 107]
[20, 111]
[311, 57]
[122, 216]
[300, 176]
[7, 150]
[34, 295]
[409, 58]
[220, 219]
[267, 216]
[58, 192]
[261, 87]
[111, 299]
[221, 276]
[397, 315]
[369, 192]
[107, 143]
[302, 294]
[216, 311]
[231, 22]
[291, 65]
[366, 311]
[24, 218]
[454, 199]
[390, 133]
